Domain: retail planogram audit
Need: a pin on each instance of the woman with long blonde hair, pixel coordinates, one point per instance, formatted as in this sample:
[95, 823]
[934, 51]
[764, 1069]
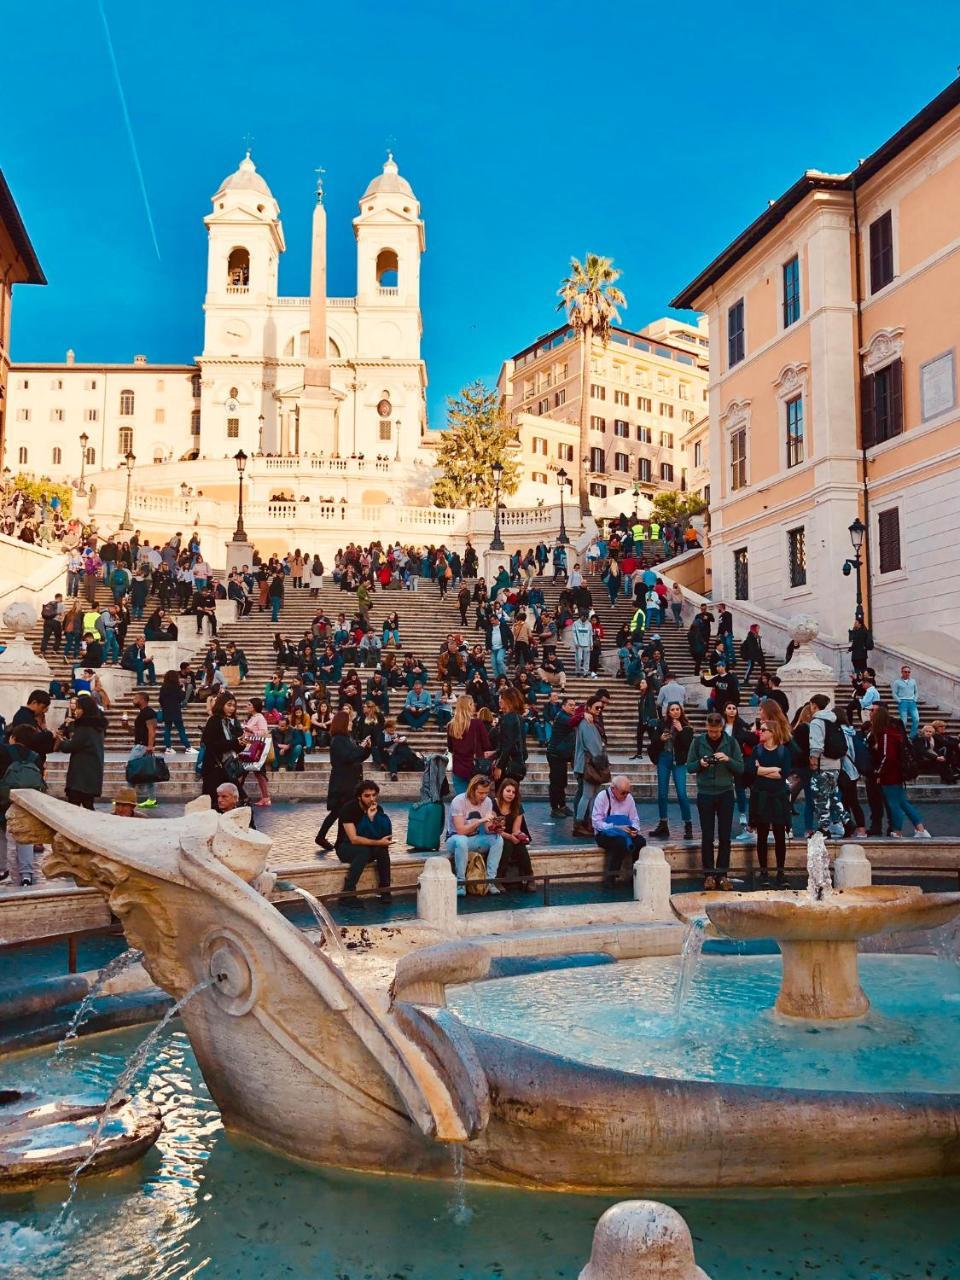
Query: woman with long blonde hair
[467, 741]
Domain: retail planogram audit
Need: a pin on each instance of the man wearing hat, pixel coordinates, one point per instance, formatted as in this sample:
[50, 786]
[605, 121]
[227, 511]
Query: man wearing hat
[125, 803]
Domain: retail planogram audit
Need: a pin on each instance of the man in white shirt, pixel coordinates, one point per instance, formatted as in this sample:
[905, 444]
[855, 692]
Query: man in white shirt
[471, 825]
[907, 695]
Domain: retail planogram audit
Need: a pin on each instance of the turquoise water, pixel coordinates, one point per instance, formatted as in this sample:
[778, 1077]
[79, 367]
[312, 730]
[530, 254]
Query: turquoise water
[204, 1205]
[623, 1016]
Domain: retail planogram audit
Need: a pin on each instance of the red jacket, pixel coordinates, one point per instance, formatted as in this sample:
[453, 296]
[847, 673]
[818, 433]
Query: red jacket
[890, 750]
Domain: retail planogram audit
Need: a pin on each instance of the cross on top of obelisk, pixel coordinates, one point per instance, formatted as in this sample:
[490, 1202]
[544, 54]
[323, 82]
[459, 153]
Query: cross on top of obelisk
[320, 172]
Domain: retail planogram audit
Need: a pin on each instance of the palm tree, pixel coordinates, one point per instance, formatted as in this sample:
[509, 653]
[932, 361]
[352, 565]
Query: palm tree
[590, 298]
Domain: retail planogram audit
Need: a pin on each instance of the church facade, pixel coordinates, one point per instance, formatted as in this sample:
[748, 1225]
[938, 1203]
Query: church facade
[315, 377]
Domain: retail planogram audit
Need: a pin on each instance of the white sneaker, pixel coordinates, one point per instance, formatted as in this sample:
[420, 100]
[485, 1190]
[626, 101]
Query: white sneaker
[745, 837]
[922, 835]
[593, 675]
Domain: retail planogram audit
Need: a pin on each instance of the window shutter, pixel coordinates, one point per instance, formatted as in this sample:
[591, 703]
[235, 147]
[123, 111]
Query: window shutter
[896, 398]
[888, 527]
[868, 419]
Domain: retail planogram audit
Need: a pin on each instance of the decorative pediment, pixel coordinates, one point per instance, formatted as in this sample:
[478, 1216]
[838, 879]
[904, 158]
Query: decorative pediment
[885, 346]
[790, 379]
[736, 412]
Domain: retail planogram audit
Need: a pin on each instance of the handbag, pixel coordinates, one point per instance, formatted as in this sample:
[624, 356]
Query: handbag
[476, 875]
[596, 769]
[483, 766]
[233, 769]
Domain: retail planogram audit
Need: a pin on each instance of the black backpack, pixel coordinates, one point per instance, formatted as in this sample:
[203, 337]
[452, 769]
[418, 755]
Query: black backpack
[834, 740]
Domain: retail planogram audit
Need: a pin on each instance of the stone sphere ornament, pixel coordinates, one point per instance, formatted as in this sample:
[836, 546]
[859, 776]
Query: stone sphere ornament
[803, 628]
[19, 617]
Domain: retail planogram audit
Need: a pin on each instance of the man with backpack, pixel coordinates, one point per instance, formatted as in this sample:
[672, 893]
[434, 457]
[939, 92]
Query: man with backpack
[51, 613]
[828, 747]
[20, 769]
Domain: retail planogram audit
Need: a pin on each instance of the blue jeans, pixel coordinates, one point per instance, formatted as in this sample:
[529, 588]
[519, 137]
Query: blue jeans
[145, 790]
[458, 784]
[144, 668]
[677, 611]
[666, 767]
[111, 647]
[653, 616]
[174, 720]
[899, 805]
[499, 660]
[461, 846]
[729, 649]
[387, 635]
[275, 603]
[910, 716]
[443, 716]
[290, 758]
[71, 643]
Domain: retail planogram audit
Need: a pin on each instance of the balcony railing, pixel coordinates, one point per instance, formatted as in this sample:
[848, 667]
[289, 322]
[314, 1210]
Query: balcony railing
[238, 288]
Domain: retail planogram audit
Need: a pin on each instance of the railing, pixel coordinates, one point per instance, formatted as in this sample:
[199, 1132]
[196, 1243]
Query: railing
[385, 292]
[338, 466]
[238, 288]
[305, 302]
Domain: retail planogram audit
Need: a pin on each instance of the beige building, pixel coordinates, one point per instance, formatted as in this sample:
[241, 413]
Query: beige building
[833, 393]
[18, 265]
[645, 392]
[695, 458]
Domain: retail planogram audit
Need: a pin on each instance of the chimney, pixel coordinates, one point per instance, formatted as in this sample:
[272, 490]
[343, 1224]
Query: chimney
[140, 360]
[71, 355]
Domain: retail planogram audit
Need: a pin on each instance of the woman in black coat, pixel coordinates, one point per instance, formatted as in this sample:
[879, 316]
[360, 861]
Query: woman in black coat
[222, 736]
[511, 758]
[85, 747]
[346, 770]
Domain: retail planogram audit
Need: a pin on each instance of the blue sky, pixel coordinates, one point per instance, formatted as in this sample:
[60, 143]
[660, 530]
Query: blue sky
[530, 132]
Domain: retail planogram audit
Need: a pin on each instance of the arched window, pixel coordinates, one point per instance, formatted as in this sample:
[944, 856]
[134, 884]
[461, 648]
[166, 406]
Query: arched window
[126, 403]
[91, 456]
[57, 457]
[238, 269]
[22, 455]
[387, 269]
[125, 441]
[333, 351]
[158, 453]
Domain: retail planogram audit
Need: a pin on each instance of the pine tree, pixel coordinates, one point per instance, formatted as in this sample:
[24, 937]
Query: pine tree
[475, 438]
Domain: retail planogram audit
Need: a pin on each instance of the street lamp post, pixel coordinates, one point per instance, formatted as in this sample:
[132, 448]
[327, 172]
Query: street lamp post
[497, 543]
[396, 456]
[128, 462]
[84, 441]
[240, 458]
[858, 531]
[261, 421]
[636, 499]
[562, 539]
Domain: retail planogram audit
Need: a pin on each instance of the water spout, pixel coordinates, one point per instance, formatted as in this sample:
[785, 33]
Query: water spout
[460, 1212]
[106, 974]
[689, 961]
[324, 919]
[819, 883]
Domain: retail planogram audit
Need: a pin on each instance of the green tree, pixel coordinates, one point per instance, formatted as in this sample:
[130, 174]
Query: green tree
[590, 298]
[475, 438]
[44, 489]
[670, 507]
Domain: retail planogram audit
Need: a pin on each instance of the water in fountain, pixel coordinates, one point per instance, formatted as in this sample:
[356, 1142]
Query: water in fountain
[134, 1063]
[689, 960]
[819, 884]
[460, 1212]
[106, 974]
[323, 918]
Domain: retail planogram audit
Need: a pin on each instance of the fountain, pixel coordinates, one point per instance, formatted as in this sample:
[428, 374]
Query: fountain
[110, 971]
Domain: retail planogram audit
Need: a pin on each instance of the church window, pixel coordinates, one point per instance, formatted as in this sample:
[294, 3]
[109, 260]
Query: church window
[91, 415]
[57, 457]
[126, 403]
[22, 456]
[386, 432]
[159, 415]
[56, 415]
[195, 422]
[387, 269]
[158, 454]
[195, 386]
[238, 269]
[91, 456]
[125, 441]
[233, 428]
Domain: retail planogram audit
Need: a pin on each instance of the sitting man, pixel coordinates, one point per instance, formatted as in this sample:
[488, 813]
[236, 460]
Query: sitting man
[471, 826]
[417, 708]
[135, 659]
[617, 826]
[364, 836]
[552, 673]
[933, 752]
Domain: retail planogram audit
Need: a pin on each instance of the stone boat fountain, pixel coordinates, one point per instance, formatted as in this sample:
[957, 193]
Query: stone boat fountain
[363, 1065]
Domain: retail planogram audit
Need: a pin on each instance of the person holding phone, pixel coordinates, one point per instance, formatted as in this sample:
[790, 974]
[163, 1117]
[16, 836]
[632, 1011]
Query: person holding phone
[508, 815]
[365, 836]
[617, 826]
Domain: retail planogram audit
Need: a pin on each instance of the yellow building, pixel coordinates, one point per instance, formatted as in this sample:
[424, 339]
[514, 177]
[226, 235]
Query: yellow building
[836, 319]
[645, 391]
[18, 265]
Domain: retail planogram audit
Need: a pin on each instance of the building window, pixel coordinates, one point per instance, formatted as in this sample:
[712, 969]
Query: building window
[706, 494]
[644, 470]
[741, 575]
[386, 431]
[195, 422]
[795, 431]
[881, 251]
[791, 292]
[621, 397]
[56, 384]
[22, 456]
[538, 477]
[539, 445]
[565, 452]
[698, 454]
[159, 415]
[598, 424]
[126, 403]
[57, 457]
[559, 397]
[160, 384]
[91, 456]
[597, 391]
[56, 415]
[797, 551]
[90, 384]
[621, 428]
[738, 461]
[621, 462]
[195, 386]
[598, 490]
[687, 416]
[645, 435]
[24, 384]
[543, 406]
[23, 415]
[683, 480]
[597, 459]
[666, 472]
[645, 404]
[233, 428]
[882, 404]
[735, 344]
[666, 439]
[888, 526]
[666, 410]
[91, 415]
[125, 441]
[683, 391]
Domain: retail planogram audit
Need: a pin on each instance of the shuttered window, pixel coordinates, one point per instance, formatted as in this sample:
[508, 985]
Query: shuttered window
[888, 523]
[882, 404]
[735, 334]
[741, 574]
[881, 251]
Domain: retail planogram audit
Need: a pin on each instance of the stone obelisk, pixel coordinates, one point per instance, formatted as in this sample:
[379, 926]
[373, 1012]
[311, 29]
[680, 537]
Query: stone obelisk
[318, 406]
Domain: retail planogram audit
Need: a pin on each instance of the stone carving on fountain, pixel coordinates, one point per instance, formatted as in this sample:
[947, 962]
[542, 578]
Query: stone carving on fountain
[316, 1061]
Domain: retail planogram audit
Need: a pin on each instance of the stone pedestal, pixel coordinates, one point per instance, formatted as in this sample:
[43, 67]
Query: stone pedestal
[651, 884]
[642, 1240]
[437, 895]
[852, 869]
[804, 675]
[239, 554]
[21, 670]
[226, 612]
[165, 655]
[491, 562]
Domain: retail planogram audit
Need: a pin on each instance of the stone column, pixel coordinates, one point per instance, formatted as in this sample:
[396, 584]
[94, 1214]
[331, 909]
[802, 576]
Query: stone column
[804, 675]
[651, 884]
[21, 670]
[642, 1240]
[852, 869]
[437, 895]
